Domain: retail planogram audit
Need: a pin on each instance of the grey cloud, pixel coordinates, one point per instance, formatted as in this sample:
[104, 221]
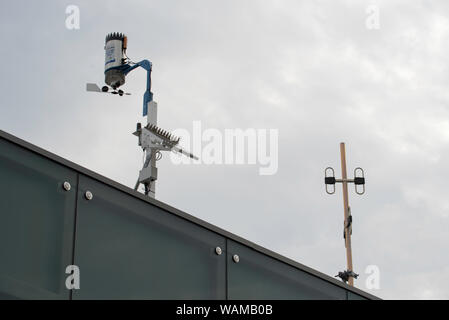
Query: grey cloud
[308, 68]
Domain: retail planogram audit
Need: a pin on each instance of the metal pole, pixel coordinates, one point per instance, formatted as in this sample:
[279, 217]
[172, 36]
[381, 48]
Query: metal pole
[152, 185]
[346, 208]
[152, 119]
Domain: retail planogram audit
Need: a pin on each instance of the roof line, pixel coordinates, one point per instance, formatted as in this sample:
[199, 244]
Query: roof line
[181, 214]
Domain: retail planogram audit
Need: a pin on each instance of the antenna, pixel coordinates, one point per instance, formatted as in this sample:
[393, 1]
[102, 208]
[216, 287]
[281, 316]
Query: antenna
[329, 180]
[152, 139]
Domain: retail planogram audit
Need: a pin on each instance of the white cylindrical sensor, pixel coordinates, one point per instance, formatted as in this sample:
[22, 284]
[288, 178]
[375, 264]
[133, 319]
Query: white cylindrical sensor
[115, 46]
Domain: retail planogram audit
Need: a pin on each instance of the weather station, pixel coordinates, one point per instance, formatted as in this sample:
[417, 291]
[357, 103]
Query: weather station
[151, 138]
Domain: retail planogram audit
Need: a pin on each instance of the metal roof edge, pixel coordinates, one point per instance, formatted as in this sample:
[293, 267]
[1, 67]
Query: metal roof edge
[181, 213]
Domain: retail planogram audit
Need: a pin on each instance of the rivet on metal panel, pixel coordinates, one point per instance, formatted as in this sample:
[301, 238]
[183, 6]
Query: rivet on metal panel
[236, 258]
[218, 251]
[88, 195]
[66, 186]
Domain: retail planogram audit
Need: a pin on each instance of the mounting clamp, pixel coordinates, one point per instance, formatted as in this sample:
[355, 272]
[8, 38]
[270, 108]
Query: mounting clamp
[345, 275]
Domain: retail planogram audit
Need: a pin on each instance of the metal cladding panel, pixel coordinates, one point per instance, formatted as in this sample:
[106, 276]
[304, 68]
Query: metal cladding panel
[36, 224]
[127, 249]
[354, 296]
[256, 276]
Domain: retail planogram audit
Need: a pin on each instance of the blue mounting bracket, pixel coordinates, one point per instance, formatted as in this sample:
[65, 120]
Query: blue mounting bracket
[148, 96]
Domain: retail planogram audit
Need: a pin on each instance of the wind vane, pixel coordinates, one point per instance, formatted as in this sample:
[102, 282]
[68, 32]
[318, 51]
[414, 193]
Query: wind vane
[152, 139]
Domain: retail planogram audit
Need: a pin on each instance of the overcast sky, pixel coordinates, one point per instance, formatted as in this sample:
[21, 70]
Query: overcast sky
[311, 69]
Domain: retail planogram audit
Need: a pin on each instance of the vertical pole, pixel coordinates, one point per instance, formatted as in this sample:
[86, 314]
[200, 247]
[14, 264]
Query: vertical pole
[152, 185]
[346, 208]
[152, 119]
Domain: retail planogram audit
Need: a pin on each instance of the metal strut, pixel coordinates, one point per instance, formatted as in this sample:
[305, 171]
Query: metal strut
[148, 174]
[152, 139]
[148, 95]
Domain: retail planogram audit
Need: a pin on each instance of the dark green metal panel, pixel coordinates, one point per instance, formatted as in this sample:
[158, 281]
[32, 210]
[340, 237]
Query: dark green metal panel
[36, 224]
[128, 249]
[354, 296]
[257, 276]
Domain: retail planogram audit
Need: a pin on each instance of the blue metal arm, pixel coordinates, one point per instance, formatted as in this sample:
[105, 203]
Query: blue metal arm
[148, 96]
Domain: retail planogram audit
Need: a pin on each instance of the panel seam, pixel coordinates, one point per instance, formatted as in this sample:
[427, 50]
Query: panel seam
[74, 226]
[226, 268]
